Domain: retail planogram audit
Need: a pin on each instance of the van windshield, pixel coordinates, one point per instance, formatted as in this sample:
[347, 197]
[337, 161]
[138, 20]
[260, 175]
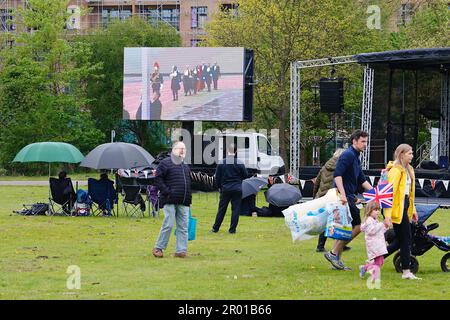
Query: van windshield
[264, 145]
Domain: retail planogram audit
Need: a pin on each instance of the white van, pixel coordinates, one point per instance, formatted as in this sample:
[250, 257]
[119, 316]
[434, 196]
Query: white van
[255, 151]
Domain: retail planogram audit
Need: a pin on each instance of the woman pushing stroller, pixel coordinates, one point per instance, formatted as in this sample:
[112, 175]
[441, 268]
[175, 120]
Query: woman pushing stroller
[403, 211]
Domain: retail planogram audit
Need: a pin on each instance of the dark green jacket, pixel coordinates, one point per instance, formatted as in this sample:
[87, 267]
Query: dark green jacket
[325, 180]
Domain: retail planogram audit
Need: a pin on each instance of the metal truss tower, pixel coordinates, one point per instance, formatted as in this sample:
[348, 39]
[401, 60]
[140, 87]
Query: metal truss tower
[296, 105]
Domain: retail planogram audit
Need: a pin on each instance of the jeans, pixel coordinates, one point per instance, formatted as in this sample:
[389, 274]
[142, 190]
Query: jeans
[179, 213]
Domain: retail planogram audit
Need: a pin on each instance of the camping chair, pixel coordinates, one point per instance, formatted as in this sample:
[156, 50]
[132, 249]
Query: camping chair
[103, 195]
[120, 181]
[133, 202]
[62, 196]
[145, 183]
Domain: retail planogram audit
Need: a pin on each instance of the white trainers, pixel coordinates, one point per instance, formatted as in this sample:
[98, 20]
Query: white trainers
[411, 276]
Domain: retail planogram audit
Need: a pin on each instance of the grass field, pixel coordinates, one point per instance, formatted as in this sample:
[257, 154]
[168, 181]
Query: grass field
[259, 262]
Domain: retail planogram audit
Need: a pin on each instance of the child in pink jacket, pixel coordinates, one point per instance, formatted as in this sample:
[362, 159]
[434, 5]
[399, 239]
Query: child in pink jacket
[375, 243]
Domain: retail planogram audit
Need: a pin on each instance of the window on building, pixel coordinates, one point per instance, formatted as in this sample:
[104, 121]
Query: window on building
[231, 8]
[6, 20]
[406, 13]
[170, 16]
[199, 16]
[195, 42]
[109, 14]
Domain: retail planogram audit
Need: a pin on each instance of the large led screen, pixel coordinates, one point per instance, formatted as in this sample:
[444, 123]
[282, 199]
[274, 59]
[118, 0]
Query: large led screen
[186, 84]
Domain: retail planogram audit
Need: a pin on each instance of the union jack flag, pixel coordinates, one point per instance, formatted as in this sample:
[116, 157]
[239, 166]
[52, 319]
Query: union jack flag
[383, 194]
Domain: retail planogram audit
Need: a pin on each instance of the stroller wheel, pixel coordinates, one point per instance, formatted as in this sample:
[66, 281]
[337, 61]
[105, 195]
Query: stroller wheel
[445, 262]
[398, 265]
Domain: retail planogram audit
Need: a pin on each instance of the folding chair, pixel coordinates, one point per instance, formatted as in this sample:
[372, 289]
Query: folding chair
[62, 196]
[103, 195]
[120, 181]
[133, 202]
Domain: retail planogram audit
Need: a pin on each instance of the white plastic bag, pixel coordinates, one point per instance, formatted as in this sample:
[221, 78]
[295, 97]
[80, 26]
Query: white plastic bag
[309, 219]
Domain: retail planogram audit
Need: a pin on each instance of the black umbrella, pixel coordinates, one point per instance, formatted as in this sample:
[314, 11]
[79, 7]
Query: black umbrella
[252, 185]
[283, 195]
[117, 155]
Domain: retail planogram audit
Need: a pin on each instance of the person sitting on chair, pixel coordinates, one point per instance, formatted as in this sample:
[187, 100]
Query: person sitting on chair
[68, 191]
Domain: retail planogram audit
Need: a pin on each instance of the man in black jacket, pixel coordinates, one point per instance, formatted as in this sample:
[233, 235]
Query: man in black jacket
[229, 175]
[173, 180]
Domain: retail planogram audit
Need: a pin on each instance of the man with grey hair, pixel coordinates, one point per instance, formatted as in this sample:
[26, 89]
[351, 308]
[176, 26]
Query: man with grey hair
[229, 175]
[173, 179]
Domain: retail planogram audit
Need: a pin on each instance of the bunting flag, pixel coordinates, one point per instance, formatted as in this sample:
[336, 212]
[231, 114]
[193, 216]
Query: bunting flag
[433, 183]
[382, 193]
[372, 179]
[445, 182]
[302, 183]
[421, 182]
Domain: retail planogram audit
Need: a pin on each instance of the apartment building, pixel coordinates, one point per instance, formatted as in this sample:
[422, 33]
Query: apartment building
[188, 17]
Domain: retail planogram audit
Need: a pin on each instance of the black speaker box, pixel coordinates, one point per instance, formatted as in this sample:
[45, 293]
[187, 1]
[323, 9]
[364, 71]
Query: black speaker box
[331, 95]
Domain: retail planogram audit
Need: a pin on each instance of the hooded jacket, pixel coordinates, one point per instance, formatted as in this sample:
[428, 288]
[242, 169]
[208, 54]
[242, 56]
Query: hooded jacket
[325, 179]
[397, 176]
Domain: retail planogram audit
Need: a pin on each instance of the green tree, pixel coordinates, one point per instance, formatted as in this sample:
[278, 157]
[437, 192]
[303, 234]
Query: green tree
[281, 32]
[105, 88]
[43, 83]
[429, 27]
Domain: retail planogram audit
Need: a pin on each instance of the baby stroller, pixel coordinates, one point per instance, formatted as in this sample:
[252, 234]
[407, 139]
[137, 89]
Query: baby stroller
[422, 241]
[83, 205]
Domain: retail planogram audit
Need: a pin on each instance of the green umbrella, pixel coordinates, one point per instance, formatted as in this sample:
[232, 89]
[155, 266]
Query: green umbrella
[49, 152]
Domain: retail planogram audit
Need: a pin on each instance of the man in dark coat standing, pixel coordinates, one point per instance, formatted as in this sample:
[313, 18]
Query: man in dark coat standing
[229, 175]
[208, 77]
[215, 74]
[173, 179]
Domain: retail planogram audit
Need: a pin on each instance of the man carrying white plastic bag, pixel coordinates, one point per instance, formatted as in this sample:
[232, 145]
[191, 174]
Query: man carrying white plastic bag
[309, 219]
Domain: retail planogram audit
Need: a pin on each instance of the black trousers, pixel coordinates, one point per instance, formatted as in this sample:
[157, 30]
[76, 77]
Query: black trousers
[322, 240]
[403, 238]
[226, 197]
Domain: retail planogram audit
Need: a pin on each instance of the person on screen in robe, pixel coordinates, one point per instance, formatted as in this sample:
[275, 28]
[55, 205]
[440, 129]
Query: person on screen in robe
[156, 79]
[194, 80]
[186, 81]
[200, 83]
[175, 80]
[203, 83]
[208, 77]
[215, 75]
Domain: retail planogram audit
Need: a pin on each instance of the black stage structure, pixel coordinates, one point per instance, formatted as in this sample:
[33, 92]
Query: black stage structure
[409, 88]
[403, 91]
